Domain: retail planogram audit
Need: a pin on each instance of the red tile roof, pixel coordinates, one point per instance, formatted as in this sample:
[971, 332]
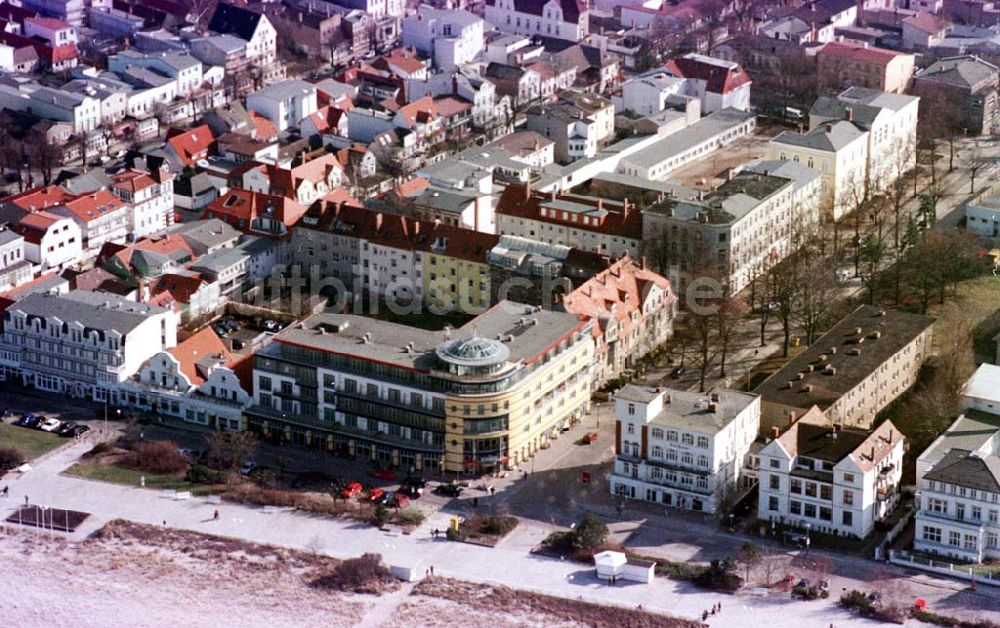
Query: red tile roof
[264, 128]
[400, 58]
[239, 208]
[132, 181]
[858, 53]
[180, 287]
[89, 207]
[619, 219]
[204, 344]
[719, 79]
[192, 145]
[616, 293]
[40, 198]
[420, 111]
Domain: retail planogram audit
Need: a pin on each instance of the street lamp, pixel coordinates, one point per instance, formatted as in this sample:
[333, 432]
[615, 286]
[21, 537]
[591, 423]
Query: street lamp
[808, 527]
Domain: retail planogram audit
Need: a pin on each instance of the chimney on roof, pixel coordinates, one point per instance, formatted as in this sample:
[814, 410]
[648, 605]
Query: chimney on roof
[775, 432]
[849, 113]
[713, 408]
[829, 127]
[791, 418]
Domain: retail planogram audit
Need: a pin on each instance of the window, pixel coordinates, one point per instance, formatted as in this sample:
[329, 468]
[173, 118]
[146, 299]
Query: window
[991, 540]
[932, 534]
[810, 489]
[825, 492]
[657, 452]
[971, 542]
[796, 486]
[264, 383]
[687, 439]
[977, 513]
[954, 538]
[937, 505]
[631, 409]
[849, 478]
[671, 435]
[772, 503]
[847, 518]
[825, 513]
[993, 516]
[960, 511]
[848, 497]
[810, 510]
[657, 432]
[795, 508]
[775, 482]
[775, 463]
[703, 442]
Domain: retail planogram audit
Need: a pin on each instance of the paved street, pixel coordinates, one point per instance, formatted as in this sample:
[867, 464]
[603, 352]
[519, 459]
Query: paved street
[677, 536]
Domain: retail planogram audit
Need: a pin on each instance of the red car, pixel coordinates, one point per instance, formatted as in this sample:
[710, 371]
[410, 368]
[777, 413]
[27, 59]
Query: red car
[383, 474]
[400, 501]
[375, 494]
[352, 490]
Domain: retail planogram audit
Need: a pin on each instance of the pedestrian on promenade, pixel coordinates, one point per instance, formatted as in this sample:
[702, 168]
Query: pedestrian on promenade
[25, 500]
[432, 570]
[215, 517]
[6, 490]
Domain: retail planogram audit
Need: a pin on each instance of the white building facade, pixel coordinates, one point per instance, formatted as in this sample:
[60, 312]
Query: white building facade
[681, 449]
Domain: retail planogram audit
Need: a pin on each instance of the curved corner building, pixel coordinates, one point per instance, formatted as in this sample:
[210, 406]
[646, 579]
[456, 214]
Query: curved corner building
[481, 397]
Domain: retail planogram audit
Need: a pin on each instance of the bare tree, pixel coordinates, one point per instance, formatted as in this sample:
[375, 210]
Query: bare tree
[974, 161]
[818, 291]
[729, 314]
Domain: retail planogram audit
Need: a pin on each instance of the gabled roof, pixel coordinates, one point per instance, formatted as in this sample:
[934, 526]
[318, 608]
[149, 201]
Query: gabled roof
[829, 136]
[239, 208]
[966, 71]
[180, 287]
[264, 129]
[132, 181]
[859, 53]
[571, 9]
[616, 293]
[233, 20]
[964, 468]
[721, 77]
[420, 111]
[88, 207]
[189, 145]
[926, 23]
[202, 346]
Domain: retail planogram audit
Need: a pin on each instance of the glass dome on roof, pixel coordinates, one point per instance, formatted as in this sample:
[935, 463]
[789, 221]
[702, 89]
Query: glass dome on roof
[474, 351]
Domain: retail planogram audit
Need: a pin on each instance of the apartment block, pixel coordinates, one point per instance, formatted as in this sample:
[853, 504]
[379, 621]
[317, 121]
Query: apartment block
[485, 396]
[837, 480]
[680, 448]
[852, 372]
[81, 344]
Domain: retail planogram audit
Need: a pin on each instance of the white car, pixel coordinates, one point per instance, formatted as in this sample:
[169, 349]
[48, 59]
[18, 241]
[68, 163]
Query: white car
[50, 425]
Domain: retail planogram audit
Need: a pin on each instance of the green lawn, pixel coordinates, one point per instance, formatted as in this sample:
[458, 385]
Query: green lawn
[122, 475]
[31, 443]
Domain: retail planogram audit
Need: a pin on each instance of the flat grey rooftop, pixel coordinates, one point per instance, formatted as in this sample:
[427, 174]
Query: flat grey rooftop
[91, 309]
[345, 334]
[692, 410]
[680, 142]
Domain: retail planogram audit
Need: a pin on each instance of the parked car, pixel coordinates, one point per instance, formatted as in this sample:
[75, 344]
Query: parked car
[413, 480]
[383, 474]
[272, 325]
[352, 490]
[249, 467]
[375, 495]
[78, 431]
[449, 490]
[49, 425]
[29, 420]
[220, 330]
[678, 372]
[411, 491]
[66, 428]
[399, 500]
[386, 499]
